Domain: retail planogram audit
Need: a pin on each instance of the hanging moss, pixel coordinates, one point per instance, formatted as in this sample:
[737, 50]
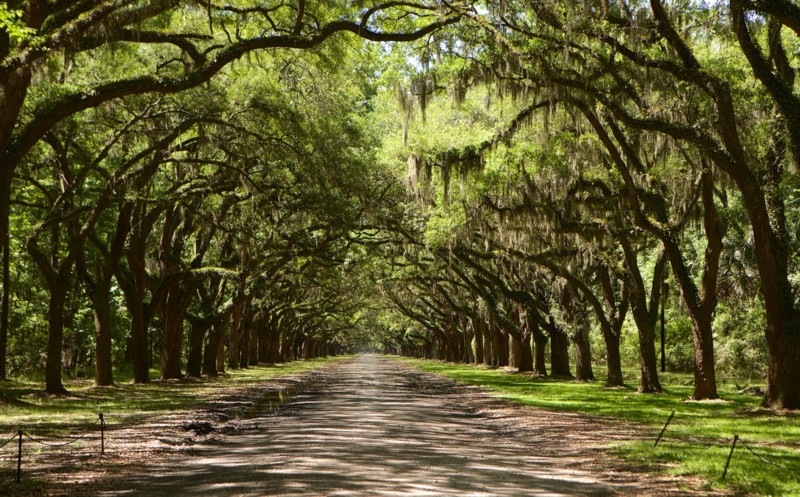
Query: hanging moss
[406, 103]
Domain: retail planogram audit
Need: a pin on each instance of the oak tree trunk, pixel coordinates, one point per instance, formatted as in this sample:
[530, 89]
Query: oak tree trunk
[4, 311]
[559, 354]
[613, 359]
[211, 348]
[194, 356]
[478, 329]
[101, 305]
[583, 354]
[172, 326]
[55, 338]
[526, 354]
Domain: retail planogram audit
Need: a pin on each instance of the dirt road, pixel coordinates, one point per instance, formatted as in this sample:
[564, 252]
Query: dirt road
[376, 427]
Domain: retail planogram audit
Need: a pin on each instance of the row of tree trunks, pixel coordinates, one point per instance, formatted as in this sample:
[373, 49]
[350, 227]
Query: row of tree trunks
[524, 351]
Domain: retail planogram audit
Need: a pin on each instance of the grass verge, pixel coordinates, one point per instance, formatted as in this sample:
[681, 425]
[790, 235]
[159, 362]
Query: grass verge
[26, 406]
[697, 442]
[58, 419]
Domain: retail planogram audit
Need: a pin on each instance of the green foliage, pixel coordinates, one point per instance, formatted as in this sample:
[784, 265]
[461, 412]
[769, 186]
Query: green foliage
[11, 21]
[740, 342]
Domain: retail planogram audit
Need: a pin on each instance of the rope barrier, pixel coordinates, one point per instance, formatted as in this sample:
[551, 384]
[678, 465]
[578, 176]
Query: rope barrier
[764, 459]
[48, 444]
[731, 440]
[72, 441]
[13, 437]
[688, 435]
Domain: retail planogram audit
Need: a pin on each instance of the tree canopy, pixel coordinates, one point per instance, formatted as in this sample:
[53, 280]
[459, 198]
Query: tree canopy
[196, 186]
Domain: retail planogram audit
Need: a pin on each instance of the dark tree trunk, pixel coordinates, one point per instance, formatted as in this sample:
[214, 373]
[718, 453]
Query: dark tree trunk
[211, 348]
[559, 354]
[4, 310]
[286, 347]
[101, 304]
[55, 338]
[647, 356]
[525, 363]
[765, 203]
[194, 356]
[583, 355]
[140, 341]
[454, 348]
[172, 326]
[274, 347]
[266, 341]
[645, 315]
[295, 347]
[783, 389]
[255, 334]
[263, 344]
[99, 289]
[134, 286]
[245, 334]
[613, 359]
[500, 348]
[478, 328]
[13, 92]
[467, 354]
[705, 383]
[701, 305]
[488, 352]
[235, 338]
[540, 349]
[611, 316]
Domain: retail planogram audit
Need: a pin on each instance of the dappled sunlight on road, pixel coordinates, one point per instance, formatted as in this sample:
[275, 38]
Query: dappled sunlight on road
[372, 429]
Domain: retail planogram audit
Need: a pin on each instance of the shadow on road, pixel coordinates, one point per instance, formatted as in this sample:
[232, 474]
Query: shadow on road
[372, 428]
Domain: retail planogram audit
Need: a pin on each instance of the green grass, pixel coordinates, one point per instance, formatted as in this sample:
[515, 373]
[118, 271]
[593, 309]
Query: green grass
[124, 402]
[775, 436]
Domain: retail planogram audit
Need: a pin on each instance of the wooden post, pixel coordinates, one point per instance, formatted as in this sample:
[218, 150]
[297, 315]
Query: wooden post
[665, 292]
[664, 429]
[19, 457]
[102, 434]
[728, 462]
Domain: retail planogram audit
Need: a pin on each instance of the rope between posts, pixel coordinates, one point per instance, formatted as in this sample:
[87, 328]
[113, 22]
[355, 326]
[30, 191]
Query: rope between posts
[672, 419]
[693, 439]
[763, 459]
[74, 439]
[13, 437]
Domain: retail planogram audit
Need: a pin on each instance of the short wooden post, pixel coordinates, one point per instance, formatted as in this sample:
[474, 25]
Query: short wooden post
[102, 434]
[728, 462]
[19, 457]
[664, 429]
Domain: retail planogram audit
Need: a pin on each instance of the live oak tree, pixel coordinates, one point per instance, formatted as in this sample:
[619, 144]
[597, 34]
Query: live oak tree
[216, 185]
[77, 42]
